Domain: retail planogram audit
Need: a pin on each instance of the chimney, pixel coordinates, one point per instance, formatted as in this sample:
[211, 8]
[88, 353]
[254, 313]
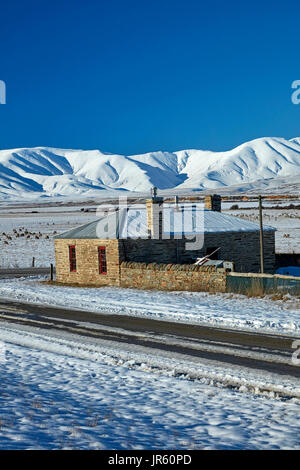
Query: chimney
[155, 215]
[213, 202]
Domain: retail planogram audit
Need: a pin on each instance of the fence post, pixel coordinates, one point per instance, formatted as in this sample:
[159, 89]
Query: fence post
[261, 235]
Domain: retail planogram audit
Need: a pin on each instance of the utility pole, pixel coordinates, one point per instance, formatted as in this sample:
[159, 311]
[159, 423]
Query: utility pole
[51, 272]
[261, 235]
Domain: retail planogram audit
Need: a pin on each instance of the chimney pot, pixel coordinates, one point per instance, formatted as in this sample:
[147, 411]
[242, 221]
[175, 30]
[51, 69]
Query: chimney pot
[154, 192]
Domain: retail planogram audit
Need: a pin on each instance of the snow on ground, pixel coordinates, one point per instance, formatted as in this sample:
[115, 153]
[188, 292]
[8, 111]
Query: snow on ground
[27, 232]
[51, 397]
[221, 310]
[25, 235]
[286, 221]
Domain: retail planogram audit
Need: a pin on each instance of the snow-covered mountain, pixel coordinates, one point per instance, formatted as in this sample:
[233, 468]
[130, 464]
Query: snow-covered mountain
[44, 171]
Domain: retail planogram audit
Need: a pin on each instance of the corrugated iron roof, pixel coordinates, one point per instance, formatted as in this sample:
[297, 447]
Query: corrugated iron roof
[132, 223]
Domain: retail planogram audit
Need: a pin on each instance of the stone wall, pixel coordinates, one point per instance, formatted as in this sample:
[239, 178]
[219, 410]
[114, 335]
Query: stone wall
[242, 248]
[87, 267]
[172, 277]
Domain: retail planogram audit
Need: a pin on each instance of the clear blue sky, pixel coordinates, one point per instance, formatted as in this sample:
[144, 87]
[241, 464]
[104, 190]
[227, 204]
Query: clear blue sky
[131, 76]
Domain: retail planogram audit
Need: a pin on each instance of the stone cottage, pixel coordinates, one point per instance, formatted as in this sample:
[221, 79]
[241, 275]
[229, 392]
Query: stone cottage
[160, 232]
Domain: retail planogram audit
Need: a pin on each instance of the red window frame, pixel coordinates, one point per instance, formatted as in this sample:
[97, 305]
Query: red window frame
[102, 260]
[72, 258]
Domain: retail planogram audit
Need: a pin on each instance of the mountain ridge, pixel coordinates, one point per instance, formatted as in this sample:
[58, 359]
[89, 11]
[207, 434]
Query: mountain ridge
[49, 171]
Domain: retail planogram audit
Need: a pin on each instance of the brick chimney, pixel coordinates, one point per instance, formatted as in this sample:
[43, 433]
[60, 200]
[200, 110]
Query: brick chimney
[154, 207]
[213, 202]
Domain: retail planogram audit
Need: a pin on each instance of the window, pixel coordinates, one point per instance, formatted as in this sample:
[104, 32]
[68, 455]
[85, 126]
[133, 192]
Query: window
[72, 258]
[102, 260]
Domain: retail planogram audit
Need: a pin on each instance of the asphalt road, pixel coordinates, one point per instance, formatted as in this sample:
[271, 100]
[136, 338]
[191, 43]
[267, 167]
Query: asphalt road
[22, 272]
[272, 353]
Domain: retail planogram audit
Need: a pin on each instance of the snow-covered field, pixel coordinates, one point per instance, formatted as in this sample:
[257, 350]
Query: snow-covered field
[24, 235]
[221, 310]
[27, 232]
[286, 222]
[59, 393]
